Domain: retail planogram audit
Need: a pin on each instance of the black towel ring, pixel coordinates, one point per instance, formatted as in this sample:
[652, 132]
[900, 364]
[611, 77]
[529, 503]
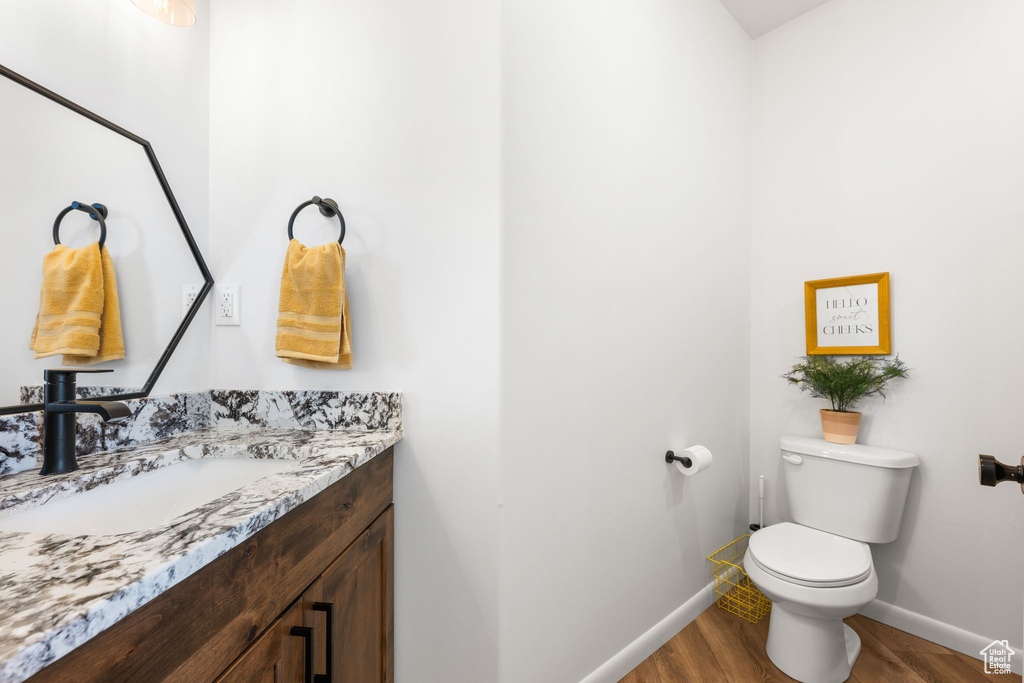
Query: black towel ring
[97, 212]
[328, 207]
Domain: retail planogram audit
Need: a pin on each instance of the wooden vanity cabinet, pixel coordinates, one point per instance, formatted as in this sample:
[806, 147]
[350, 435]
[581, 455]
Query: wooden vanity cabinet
[244, 617]
[359, 589]
[341, 624]
[274, 657]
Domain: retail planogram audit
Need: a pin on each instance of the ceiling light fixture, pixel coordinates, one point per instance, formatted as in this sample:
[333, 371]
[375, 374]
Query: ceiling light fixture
[173, 12]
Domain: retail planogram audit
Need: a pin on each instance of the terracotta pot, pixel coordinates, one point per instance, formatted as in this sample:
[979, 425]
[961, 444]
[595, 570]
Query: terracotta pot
[840, 427]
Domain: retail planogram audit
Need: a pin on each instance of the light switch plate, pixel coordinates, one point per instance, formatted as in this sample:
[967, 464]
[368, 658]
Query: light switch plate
[227, 304]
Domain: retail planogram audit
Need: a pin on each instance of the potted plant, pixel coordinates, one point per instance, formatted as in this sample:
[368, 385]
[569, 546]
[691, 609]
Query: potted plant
[844, 384]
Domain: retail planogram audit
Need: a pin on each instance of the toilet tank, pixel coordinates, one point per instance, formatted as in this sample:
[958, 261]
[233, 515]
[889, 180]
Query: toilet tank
[850, 490]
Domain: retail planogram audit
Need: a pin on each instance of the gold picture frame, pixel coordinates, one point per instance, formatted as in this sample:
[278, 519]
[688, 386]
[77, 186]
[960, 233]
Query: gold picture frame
[848, 316]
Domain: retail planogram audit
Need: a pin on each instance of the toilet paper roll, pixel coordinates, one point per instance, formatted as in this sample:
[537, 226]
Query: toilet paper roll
[700, 460]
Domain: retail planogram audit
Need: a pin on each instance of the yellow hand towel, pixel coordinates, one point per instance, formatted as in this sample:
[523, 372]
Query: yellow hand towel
[314, 329]
[79, 315]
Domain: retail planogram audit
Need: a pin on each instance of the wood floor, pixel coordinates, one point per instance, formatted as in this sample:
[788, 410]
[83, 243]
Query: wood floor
[718, 646]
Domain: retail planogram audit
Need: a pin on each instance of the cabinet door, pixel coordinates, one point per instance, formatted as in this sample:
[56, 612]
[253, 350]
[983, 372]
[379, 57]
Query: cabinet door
[356, 593]
[277, 656]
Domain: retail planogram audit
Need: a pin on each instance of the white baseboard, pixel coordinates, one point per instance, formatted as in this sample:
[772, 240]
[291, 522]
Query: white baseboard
[643, 647]
[936, 631]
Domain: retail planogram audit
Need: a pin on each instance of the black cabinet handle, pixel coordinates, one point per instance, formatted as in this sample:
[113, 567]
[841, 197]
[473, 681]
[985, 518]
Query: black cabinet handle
[306, 634]
[328, 609]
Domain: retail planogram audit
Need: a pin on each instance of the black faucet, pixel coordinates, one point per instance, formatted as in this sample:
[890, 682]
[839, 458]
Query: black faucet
[59, 424]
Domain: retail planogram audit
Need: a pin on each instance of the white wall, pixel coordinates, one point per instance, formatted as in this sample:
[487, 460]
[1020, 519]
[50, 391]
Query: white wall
[888, 137]
[392, 110]
[153, 80]
[625, 308]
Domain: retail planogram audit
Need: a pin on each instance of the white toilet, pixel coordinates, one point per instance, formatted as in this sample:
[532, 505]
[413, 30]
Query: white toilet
[818, 571]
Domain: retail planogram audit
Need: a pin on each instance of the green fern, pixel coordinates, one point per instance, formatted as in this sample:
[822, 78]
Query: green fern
[844, 384]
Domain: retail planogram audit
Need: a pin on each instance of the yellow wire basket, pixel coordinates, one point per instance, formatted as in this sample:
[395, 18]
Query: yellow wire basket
[736, 592]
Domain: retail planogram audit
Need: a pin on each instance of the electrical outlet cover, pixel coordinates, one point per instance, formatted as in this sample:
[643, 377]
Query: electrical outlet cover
[189, 294]
[227, 300]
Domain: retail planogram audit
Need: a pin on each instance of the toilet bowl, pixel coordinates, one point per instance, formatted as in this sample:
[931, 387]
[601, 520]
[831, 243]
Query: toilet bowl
[817, 570]
[815, 580]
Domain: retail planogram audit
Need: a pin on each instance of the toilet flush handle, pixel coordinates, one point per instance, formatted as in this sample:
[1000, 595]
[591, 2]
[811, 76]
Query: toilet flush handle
[793, 459]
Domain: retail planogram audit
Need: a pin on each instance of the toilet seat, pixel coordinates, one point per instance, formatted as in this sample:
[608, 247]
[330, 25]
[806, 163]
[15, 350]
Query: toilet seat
[809, 557]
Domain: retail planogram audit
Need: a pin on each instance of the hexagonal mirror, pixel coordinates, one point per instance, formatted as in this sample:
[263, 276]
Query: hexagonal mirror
[55, 156]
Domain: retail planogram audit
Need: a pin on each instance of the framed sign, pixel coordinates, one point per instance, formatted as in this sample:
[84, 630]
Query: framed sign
[848, 315]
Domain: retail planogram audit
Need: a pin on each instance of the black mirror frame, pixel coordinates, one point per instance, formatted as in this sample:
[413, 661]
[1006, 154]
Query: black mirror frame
[193, 247]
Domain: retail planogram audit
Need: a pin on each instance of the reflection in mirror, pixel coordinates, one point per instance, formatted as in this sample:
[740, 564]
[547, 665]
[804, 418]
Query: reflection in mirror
[50, 156]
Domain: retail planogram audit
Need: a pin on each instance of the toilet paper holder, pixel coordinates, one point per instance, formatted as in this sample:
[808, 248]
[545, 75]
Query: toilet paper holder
[671, 457]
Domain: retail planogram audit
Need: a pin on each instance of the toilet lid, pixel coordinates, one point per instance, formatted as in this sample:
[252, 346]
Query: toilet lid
[810, 557]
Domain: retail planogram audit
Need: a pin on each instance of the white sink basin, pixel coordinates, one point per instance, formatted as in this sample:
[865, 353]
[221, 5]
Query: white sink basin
[144, 501]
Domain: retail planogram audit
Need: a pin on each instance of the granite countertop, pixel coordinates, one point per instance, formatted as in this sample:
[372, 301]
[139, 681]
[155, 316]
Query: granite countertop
[58, 591]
